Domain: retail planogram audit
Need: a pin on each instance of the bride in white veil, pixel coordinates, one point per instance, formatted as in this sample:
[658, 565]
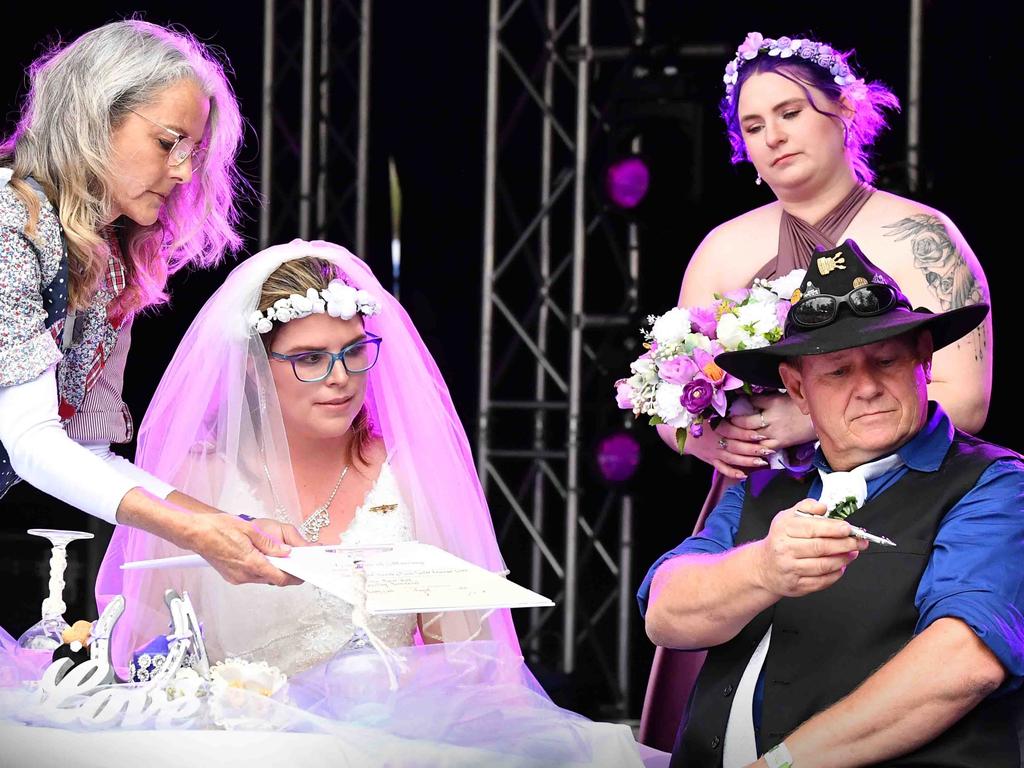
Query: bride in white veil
[303, 393]
[237, 428]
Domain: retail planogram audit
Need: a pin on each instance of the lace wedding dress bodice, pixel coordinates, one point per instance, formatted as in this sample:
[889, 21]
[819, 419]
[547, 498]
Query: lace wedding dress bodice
[295, 628]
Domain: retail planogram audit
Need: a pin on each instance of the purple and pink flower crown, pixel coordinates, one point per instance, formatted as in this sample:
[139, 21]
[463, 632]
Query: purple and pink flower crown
[821, 54]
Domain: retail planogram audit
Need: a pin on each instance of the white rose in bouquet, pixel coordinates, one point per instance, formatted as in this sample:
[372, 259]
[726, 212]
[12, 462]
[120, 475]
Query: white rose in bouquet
[761, 316]
[667, 403]
[671, 327]
[731, 333]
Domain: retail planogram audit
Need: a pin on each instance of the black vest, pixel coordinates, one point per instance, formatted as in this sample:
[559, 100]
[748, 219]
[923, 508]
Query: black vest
[825, 644]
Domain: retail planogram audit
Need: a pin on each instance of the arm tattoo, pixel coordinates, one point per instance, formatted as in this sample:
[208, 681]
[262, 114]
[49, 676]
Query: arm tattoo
[947, 273]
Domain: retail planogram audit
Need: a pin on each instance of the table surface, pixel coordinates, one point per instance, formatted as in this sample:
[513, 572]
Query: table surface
[31, 747]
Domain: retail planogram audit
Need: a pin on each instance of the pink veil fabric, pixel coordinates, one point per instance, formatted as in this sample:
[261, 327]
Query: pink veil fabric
[217, 399]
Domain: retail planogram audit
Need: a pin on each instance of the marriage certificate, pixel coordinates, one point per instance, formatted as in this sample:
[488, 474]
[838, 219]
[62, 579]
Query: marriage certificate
[409, 577]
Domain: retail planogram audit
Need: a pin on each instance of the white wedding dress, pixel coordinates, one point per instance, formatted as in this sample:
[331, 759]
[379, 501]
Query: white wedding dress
[296, 628]
[457, 704]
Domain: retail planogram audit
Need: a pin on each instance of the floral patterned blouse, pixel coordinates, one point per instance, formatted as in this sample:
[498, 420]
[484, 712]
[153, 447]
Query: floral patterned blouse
[28, 270]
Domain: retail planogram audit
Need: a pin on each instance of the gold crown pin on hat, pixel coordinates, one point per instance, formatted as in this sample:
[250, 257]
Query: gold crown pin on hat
[828, 264]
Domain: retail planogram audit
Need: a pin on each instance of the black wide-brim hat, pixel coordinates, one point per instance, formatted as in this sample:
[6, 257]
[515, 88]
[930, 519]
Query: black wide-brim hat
[836, 273]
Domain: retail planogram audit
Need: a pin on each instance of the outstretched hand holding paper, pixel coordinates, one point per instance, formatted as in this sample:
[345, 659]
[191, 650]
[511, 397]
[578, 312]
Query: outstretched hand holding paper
[407, 578]
[401, 578]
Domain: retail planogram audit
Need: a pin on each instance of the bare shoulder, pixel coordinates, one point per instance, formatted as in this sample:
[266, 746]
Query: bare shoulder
[731, 254]
[749, 236]
[922, 249]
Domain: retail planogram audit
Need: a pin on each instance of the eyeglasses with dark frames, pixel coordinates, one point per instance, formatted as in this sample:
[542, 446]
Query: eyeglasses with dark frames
[357, 357]
[183, 147]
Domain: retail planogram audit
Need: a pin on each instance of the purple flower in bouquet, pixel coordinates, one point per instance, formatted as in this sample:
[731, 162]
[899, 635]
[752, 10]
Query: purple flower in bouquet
[782, 312]
[623, 394]
[720, 381]
[705, 319]
[697, 395]
[677, 370]
[738, 296]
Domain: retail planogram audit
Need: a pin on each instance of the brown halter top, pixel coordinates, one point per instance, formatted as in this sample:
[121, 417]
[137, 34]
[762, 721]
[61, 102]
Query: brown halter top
[798, 239]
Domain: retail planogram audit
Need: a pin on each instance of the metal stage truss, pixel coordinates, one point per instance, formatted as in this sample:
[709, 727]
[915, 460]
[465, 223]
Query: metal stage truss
[559, 288]
[560, 285]
[560, 296]
[315, 114]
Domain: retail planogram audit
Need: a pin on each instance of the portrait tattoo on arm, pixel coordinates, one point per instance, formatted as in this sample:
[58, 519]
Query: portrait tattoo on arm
[949, 276]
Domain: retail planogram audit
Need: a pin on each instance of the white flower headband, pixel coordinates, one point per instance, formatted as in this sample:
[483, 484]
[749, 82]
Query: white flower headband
[816, 53]
[337, 300]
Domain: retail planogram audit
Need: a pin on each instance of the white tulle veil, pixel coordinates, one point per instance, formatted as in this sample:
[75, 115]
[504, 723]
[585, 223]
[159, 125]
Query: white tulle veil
[217, 399]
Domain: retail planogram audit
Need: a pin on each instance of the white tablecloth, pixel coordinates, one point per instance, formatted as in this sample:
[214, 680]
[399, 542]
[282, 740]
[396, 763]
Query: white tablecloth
[28, 747]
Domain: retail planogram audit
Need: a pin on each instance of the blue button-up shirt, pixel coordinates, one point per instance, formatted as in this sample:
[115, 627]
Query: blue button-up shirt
[976, 569]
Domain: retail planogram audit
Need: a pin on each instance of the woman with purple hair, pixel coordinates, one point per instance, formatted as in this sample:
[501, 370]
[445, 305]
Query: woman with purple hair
[797, 111]
[120, 172]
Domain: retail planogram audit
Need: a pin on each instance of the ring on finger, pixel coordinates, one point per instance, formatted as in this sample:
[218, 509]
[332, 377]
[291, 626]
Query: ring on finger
[763, 422]
[722, 443]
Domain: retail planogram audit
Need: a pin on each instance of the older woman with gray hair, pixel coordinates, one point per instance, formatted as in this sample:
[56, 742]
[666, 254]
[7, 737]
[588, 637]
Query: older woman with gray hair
[121, 171]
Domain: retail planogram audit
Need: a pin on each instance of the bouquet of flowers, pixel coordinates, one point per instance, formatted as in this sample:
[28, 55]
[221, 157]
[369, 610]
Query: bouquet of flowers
[676, 381]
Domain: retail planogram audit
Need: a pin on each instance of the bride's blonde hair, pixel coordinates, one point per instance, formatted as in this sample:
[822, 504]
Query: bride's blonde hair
[296, 277]
[79, 94]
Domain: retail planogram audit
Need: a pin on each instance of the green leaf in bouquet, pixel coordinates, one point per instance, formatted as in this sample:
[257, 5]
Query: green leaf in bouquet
[655, 421]
[681, 439]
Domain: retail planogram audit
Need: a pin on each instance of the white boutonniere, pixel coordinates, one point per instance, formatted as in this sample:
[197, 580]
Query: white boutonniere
[843, 493]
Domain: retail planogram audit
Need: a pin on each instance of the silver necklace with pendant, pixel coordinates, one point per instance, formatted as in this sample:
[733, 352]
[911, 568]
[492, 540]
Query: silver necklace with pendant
[320, 518]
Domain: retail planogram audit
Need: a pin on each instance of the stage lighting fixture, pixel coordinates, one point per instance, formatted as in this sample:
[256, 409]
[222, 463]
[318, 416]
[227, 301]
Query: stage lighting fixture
[618, 456]
[651, 166]
[627, 181]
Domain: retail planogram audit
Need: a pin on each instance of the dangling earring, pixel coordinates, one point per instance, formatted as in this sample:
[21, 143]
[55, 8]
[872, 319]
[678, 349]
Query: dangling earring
[758, 180]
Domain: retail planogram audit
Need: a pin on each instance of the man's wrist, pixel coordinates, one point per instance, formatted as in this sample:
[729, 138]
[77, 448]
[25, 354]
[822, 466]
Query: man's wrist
[779, 756]
[759, 573]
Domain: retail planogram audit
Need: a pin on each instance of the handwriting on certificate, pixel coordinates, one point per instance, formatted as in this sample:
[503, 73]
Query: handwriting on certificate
[409, 577]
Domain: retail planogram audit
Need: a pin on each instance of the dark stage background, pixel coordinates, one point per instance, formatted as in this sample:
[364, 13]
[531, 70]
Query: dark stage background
[428, 91]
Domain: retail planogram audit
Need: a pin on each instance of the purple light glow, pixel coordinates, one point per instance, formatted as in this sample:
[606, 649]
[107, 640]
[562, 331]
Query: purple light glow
[627, 182]
[618, 457]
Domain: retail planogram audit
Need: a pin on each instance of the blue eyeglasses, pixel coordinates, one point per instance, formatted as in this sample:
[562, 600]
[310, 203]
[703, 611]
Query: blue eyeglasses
[358, 357]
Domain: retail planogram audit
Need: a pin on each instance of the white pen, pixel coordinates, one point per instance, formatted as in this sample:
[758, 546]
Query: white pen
[180, 561]
[857, 533]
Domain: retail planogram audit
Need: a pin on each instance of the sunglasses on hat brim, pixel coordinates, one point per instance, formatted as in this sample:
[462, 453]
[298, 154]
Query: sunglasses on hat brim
[867, 301]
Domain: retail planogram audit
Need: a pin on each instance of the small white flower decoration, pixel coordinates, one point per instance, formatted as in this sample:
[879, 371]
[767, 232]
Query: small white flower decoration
[337, 300]
[253, 676]
[186, 683]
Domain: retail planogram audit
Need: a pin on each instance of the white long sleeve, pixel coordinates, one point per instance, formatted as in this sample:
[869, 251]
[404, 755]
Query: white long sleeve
[122, 466]
[91, 479]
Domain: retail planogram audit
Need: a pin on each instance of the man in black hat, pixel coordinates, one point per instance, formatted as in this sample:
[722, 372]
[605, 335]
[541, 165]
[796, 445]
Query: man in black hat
[898, 632]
